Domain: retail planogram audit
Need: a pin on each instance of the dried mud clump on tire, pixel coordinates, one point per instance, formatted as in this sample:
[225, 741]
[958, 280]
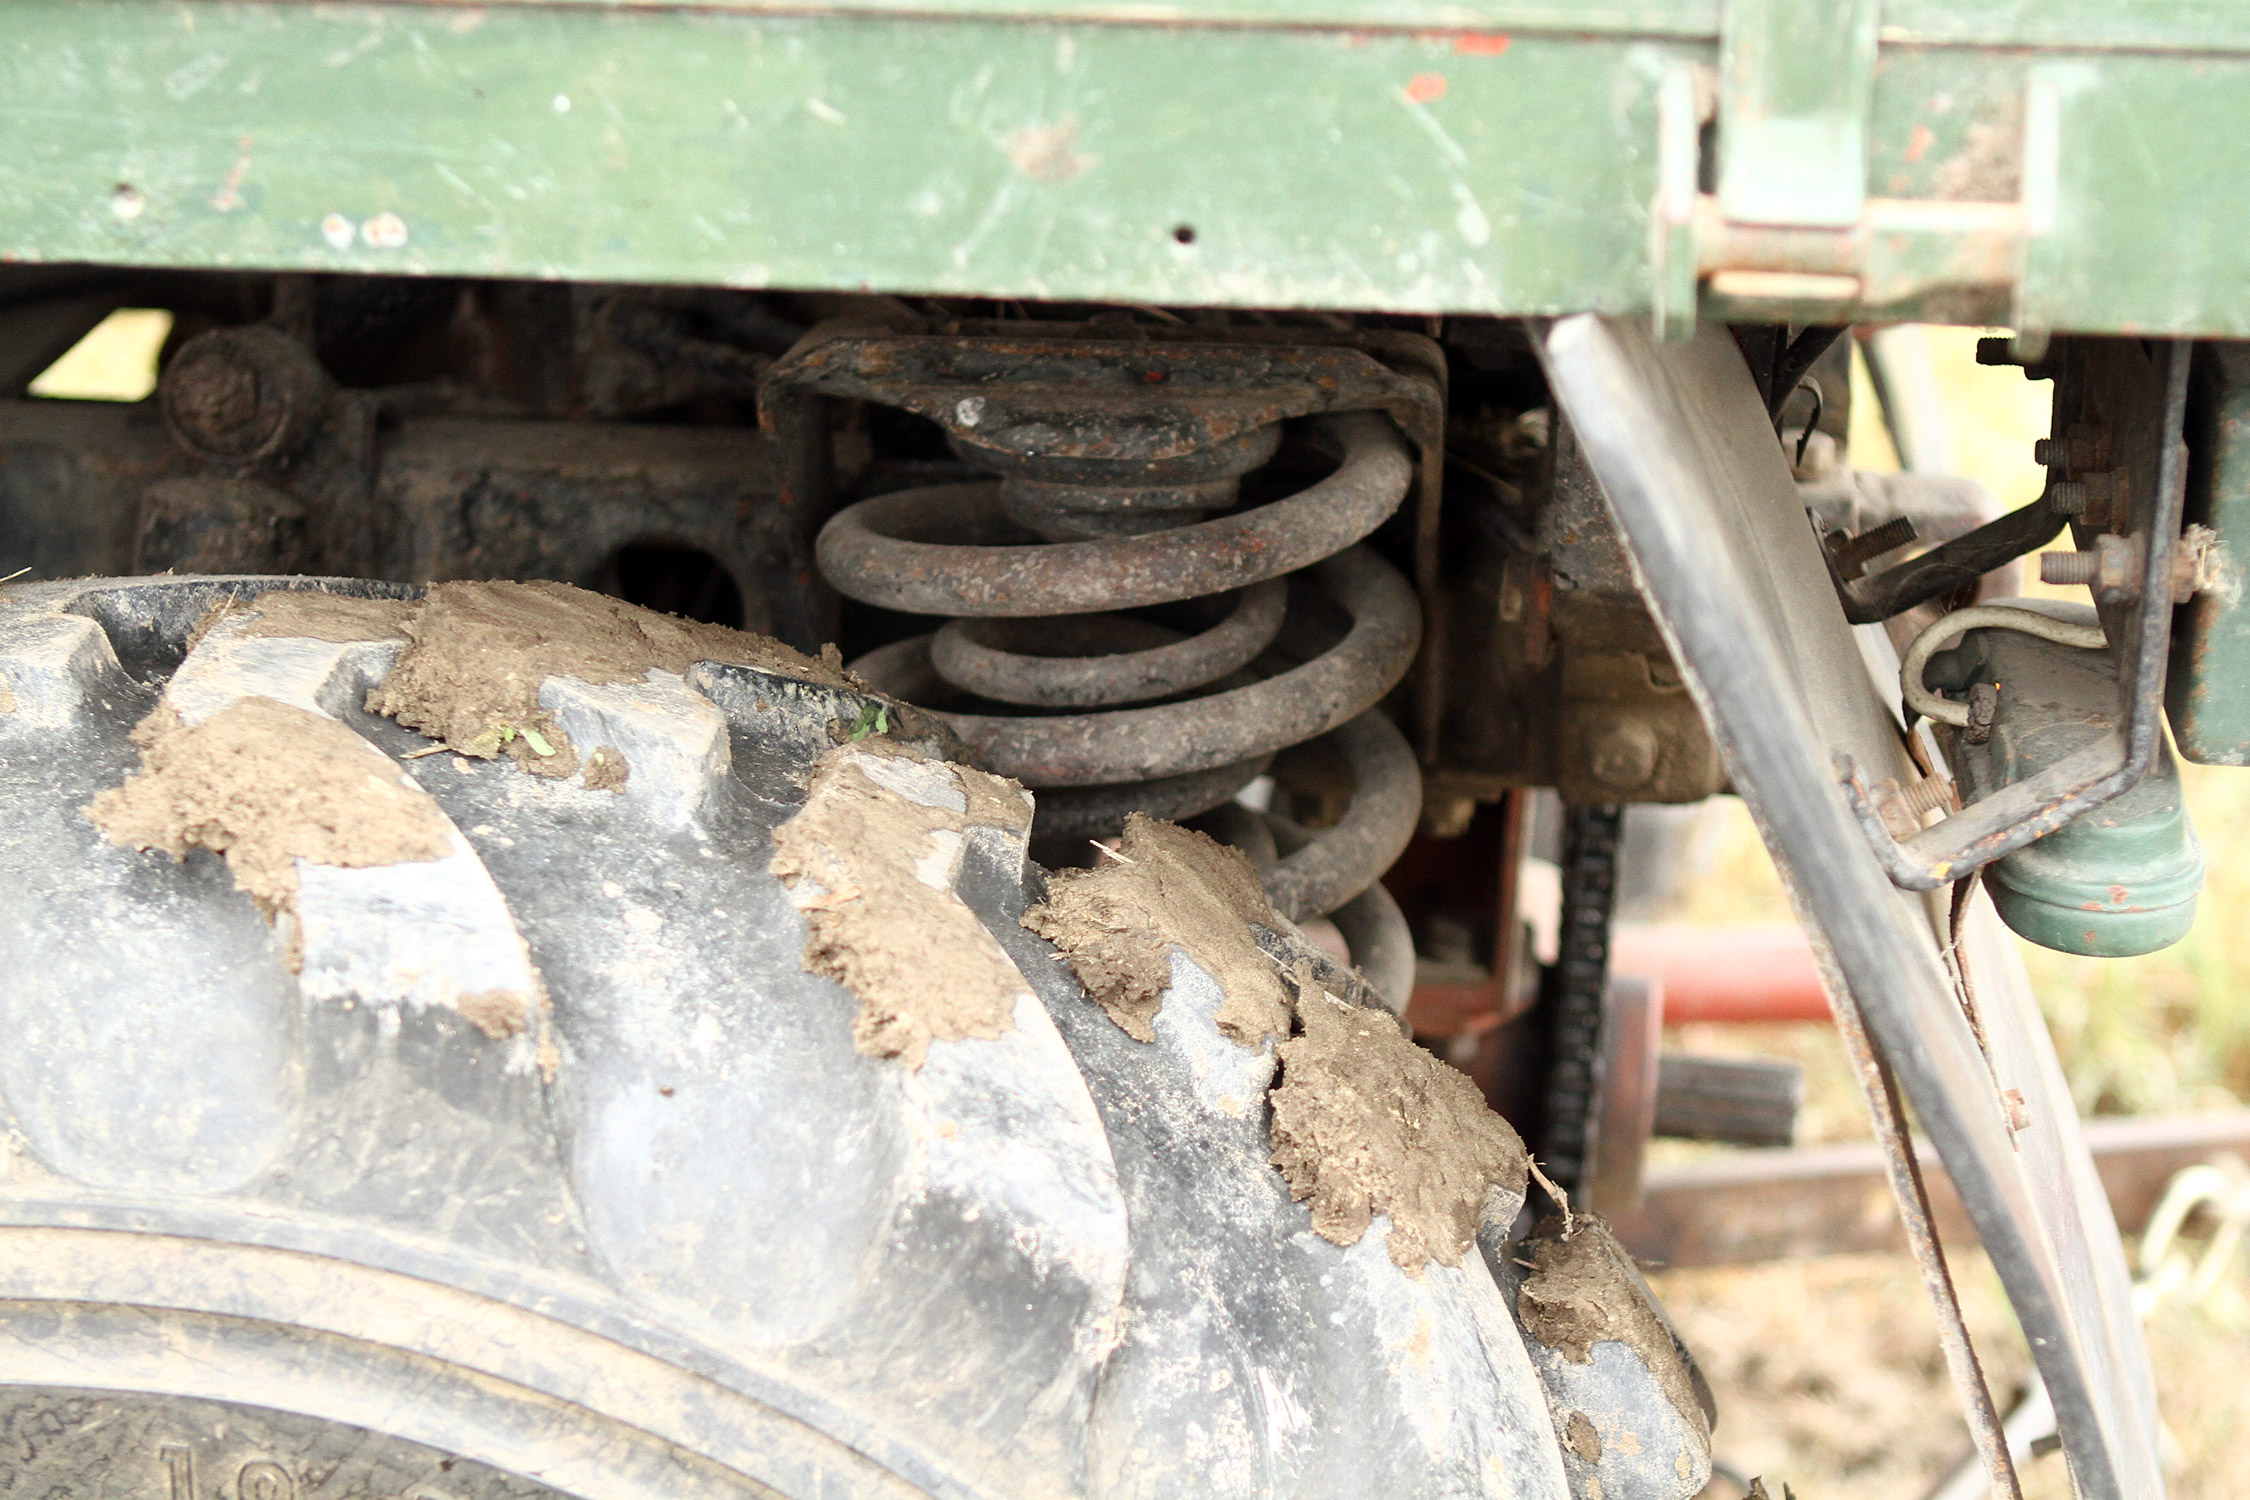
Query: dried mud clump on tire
[317, 615]
[1365, 1122]
[266, 785]
[1583, 1289]
[478, 652]
[870, 860]
[1116, 924]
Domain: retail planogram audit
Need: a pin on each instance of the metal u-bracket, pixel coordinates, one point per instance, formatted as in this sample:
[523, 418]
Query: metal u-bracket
[2015, 816]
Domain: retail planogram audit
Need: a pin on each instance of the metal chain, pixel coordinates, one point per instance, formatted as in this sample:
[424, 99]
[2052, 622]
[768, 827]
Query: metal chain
[1574, 990]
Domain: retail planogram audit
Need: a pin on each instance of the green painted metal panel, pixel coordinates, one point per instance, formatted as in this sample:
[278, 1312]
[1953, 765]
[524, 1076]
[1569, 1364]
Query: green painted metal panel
[2148, 201]
[1794, 84]
[1492, 156]
[1168, 165]
[2207, 694]
[1696, 19]
[1947, 124]
[2139, 25]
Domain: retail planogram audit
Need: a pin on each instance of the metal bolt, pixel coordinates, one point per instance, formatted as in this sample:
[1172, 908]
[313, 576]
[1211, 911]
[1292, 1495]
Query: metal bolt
[2069, 567]
[238, 397]
[1927, 795]
[1853, 554]
[2085, 446]
[1624, 755]
[2066, 497]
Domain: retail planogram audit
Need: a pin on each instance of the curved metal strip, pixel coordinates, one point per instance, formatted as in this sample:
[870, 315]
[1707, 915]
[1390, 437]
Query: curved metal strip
[870, 550]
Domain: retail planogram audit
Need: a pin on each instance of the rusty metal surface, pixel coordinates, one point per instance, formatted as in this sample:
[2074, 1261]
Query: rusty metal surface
[1099, 669]
[1345, 858]
[1555, 674]
[870, 551]
[1735, 972]
[1627, 1091]
[1200, 733]
[1139, 378]
[1124, 449]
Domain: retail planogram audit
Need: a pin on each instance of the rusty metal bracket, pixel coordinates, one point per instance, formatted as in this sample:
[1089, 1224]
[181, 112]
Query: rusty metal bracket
[2140, 633]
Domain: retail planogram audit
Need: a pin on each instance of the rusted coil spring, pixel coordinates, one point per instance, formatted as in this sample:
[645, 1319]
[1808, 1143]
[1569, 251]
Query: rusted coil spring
[1116, 540]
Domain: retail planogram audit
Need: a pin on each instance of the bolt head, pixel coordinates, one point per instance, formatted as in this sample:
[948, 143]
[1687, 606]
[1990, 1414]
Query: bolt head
[1623, 755]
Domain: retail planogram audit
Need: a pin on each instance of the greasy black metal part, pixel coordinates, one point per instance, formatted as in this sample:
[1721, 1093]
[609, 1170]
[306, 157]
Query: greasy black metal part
[1794, 363]
[1951, 566]
[1572, 1001]
[1112, 451]
[2140, 634]
[101, 488]
[1707, 501]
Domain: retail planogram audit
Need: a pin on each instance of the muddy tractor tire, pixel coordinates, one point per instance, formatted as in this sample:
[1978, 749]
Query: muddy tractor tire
[539, 1160]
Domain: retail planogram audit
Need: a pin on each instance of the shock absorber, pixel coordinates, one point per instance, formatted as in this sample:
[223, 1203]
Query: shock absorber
[1115, 469]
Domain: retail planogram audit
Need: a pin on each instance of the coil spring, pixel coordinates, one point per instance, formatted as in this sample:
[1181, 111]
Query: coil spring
[1124, 715]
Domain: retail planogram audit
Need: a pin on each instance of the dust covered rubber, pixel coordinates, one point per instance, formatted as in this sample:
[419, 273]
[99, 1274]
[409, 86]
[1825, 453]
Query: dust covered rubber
[545, 1167]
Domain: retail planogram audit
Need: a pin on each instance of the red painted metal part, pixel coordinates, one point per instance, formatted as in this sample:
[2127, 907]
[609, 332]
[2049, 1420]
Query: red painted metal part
[1761, 972]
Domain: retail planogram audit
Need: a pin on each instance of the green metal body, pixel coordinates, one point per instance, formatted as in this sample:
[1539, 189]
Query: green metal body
[1960, 159]
[2205, 693]
[2124, 878]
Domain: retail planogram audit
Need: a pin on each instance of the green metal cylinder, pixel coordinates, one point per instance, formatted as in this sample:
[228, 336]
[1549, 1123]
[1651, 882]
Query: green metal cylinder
[2124, 878]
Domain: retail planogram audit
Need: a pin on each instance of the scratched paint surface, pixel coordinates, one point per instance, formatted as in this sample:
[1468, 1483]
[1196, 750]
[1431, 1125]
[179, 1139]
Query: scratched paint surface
[1675, 18]
[1213, 165]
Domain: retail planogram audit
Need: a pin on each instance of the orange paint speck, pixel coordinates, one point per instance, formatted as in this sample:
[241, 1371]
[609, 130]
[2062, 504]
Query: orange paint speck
[1424, 87]
[1918, 143]
[1481, 43]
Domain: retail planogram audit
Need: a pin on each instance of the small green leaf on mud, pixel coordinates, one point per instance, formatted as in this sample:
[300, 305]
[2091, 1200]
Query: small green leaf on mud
[874, 718]
[538, 742]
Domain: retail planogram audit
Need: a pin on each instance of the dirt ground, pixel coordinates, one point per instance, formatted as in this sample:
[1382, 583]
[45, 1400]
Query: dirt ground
[1828, 1378]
